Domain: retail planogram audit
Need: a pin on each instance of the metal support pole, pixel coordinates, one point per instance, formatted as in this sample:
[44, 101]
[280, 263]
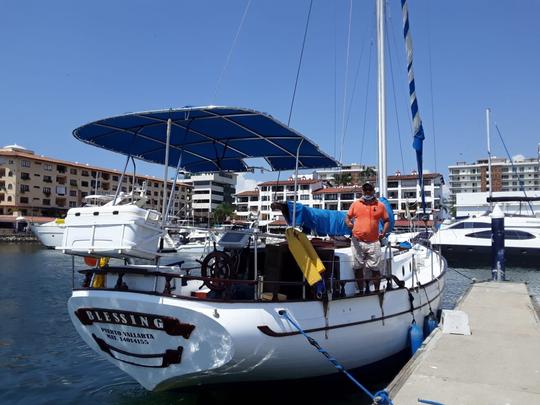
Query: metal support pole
[120, 181]
[497, 244]
[173, 189]
[255, 259]
[381, 100]
[490, 189]
[165, 174]
[134, 178]
[295, 183]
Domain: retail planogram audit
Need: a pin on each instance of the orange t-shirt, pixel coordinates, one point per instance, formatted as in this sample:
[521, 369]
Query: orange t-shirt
[366, 219]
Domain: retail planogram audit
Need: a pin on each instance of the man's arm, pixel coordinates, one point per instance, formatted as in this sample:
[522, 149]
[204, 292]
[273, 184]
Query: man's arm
[348, 217]
[386, 226]
[348, 221]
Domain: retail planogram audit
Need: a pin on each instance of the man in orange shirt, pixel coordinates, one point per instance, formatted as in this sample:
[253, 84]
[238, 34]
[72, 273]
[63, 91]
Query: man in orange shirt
[363, 218]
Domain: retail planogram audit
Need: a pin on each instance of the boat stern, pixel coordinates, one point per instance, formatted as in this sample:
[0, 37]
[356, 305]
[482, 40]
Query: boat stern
[161, 345]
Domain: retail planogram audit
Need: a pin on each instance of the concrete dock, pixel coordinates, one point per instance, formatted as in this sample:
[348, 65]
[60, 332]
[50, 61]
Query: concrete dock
[499, 363]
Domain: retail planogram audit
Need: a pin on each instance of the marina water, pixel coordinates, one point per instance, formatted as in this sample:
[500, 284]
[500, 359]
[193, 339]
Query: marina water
[43, 359]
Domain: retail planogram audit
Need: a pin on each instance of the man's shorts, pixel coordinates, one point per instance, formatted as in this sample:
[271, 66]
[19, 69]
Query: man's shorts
[367, 257]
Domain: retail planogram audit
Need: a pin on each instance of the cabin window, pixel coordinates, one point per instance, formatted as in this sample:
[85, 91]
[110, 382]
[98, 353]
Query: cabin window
[508, 235]
[470, 225]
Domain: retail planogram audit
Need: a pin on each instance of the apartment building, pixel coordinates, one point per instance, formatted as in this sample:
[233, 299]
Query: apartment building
[506, 175]
[259, 200]
[209, 191]
[36, 185]
[403, 195]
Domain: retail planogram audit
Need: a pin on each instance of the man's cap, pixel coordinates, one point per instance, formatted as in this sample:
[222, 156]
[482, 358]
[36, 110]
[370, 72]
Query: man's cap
[368, 187]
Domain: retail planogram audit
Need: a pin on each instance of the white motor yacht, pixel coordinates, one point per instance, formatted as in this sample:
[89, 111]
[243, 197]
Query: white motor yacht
[468, 242]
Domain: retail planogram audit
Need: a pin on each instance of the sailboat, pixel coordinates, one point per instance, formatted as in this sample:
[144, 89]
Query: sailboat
[237, 319]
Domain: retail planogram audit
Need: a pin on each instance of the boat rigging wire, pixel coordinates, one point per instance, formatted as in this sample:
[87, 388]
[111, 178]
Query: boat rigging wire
[366, 102]
[233, 45]
[381, 397]
[295, 87]
[344, 109]
[520, 182]
[395, 98]
[357, 73]
[431, 88]
[300, 62]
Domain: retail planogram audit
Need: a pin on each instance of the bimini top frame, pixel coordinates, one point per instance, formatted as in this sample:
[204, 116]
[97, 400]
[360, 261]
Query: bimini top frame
[205, 139]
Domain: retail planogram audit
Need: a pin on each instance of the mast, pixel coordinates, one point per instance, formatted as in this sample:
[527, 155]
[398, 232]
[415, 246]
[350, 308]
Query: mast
[490, 189]
[381, 102]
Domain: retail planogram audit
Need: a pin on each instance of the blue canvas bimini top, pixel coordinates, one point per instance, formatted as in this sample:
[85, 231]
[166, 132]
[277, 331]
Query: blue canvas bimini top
[206, 139]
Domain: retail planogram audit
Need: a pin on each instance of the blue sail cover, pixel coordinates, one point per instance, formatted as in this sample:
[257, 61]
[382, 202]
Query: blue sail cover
[318, 221]
[417, 122]
[329, 222]
[206, 139]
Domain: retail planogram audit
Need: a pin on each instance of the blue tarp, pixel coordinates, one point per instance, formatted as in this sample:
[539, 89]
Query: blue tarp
[318, 221]
[205, 139]
[328, 222]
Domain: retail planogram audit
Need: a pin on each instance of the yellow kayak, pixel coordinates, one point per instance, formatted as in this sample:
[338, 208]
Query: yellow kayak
[305, 255]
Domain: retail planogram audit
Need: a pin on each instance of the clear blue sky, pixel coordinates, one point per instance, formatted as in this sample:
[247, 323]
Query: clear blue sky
[65, 63]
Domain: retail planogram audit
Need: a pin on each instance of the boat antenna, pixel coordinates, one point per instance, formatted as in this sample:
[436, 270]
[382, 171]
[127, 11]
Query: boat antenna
[229, 55]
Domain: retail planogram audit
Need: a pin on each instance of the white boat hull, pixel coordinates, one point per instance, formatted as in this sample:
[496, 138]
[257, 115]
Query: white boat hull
[217, 342]
[49, 234]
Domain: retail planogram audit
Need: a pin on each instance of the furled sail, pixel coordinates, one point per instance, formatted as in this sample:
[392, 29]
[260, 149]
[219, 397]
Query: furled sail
[418, 129]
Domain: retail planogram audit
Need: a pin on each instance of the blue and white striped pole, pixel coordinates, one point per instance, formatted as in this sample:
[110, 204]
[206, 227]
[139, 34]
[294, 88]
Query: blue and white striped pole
[418, 129]
[497, 244]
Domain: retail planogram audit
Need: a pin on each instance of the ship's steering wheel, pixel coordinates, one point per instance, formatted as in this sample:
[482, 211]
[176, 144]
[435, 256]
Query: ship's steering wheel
[216, 265]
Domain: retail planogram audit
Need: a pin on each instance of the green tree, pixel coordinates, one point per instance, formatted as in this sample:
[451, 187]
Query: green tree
[223, 211]
[367, 174]
[342, 179]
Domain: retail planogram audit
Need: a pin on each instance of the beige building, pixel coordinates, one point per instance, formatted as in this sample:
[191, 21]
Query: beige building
[36, 185]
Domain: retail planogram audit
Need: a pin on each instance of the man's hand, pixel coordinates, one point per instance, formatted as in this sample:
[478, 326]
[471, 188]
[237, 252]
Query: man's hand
[348, 222]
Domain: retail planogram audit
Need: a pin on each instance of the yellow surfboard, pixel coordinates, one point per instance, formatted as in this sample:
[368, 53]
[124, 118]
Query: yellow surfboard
[305, 255]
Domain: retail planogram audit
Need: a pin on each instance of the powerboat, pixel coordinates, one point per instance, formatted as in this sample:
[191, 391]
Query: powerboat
[468, 241]
[50, 233]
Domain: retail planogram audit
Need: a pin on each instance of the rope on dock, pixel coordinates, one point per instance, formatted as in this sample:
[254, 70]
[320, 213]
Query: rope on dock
[379, 398]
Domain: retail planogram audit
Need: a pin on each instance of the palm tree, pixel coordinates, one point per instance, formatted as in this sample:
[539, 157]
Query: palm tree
[342, 179]
[367, 174]
[222, 212]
